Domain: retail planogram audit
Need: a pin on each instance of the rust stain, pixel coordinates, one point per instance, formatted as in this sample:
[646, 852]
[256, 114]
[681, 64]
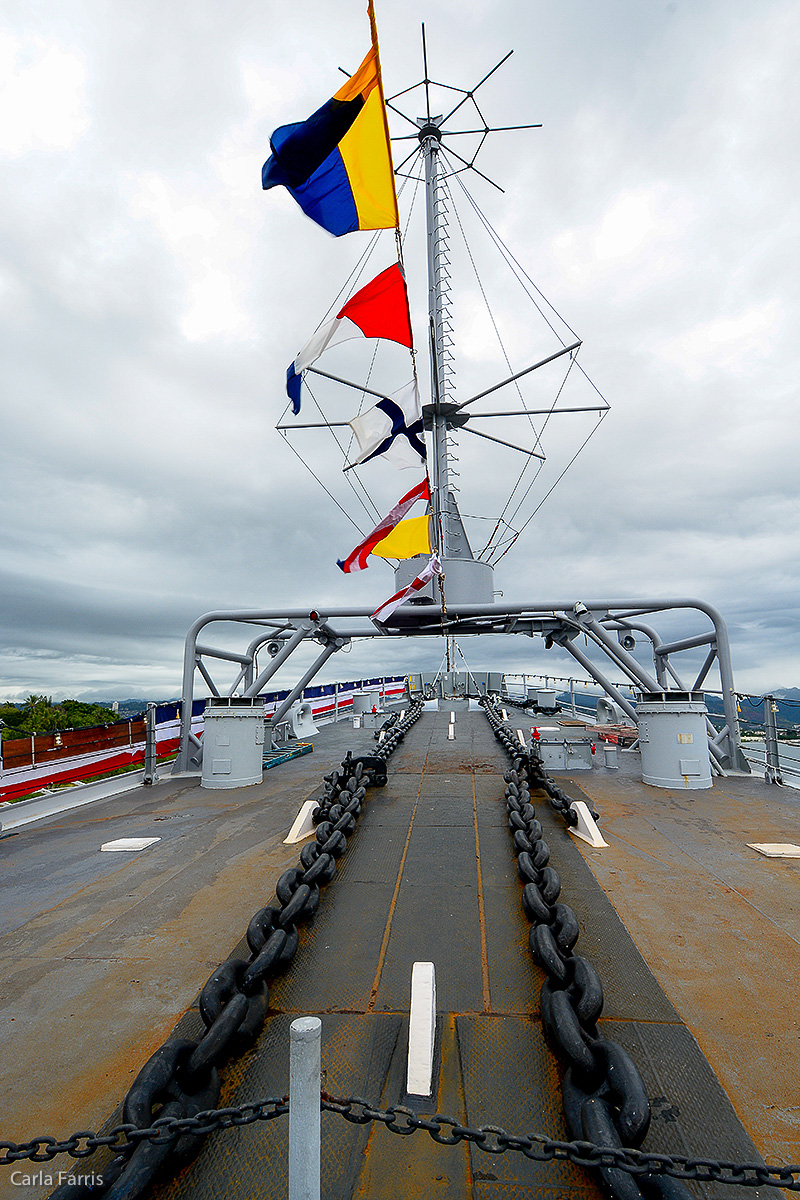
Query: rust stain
[487, 999]
[390, 916]
[718, 934]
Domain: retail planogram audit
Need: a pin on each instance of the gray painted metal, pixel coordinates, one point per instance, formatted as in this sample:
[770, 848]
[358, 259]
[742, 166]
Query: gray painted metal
[557, 621]
[234, 733]
[305, 1048]
[465, 578]
[281, 712]
[772, 773]
[600, 678]
[25, 812]
[150, 748]
[673, 740]
[439, 465]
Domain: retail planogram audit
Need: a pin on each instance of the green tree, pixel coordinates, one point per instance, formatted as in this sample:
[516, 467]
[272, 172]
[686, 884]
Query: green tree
[39, 715]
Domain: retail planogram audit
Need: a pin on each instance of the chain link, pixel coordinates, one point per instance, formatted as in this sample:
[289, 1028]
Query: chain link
[233, 1005]
[492, 1139]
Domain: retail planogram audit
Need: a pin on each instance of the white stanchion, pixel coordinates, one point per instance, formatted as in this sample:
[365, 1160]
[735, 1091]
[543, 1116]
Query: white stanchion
[305, 1040]
[451, 733]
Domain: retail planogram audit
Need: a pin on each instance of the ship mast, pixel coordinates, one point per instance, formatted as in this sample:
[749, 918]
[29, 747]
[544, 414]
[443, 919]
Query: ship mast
[465, 579]
[439, 329]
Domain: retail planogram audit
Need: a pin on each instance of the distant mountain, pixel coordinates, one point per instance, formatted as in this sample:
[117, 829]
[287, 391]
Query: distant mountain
[132, 707]
[751, 714]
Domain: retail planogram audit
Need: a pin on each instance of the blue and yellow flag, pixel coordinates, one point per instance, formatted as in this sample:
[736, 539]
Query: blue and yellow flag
[338, 164]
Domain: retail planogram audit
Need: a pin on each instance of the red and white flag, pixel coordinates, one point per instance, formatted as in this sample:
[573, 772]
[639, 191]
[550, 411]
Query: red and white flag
[378, 310]
[357, 559]
[383, 613]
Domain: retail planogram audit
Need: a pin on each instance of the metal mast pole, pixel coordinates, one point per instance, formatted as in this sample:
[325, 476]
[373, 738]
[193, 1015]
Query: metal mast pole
[430, 140]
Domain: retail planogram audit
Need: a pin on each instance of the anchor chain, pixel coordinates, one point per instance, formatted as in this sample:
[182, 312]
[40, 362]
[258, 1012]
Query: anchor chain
[537, 776]
[604, 1097]
[181, 1080]
[170, 1107]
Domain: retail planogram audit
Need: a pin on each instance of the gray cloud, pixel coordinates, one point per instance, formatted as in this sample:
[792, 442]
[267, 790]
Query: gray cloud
[151, 297]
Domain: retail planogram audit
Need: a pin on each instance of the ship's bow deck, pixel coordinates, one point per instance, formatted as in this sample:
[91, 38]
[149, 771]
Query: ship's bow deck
[427, 876]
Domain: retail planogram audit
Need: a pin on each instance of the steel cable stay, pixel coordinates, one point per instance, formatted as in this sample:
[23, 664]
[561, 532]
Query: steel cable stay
[491, 547]
[550, 491]
[369, 506]
[524, 279]
[537, 436]
[488, 307]
[348, 287]
[326, 490]
[536, 476]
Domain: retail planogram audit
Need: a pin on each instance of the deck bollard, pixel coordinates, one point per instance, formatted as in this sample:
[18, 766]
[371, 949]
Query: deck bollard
[305, 1037]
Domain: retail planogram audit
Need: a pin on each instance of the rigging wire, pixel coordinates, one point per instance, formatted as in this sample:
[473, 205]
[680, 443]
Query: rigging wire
[491, 548]
[601, 418]
[360, 265]
[537, 434]
[327, 492]
[524, 278]
[541, 465]
[369, 501]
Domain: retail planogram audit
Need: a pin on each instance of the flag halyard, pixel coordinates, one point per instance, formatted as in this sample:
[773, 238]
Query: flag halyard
[377, 310]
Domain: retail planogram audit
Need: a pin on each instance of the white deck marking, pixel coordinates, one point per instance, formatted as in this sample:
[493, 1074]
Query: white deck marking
[421, 1030]
[130, 843]
[776, 849]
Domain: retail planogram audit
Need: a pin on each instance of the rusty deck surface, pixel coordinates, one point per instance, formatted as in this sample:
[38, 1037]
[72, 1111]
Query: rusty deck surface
[101, 953]
[110, 956]
[717, 923]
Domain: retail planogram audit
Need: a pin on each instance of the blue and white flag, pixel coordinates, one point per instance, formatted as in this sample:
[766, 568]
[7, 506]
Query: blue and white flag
[393, 428]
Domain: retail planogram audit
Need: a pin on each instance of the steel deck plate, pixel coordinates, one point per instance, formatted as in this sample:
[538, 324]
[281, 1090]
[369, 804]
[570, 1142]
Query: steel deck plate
[409, 888]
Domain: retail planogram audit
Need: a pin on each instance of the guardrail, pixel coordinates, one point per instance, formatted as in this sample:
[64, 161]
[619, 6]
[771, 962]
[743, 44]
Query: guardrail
[41, 761]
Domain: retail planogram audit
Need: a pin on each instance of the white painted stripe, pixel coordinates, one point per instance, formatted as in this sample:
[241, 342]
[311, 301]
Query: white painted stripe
[451, 733]
[421, 1030]
[130, 843]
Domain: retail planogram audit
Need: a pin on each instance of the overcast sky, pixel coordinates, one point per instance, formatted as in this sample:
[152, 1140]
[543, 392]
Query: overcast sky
[151, 297]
